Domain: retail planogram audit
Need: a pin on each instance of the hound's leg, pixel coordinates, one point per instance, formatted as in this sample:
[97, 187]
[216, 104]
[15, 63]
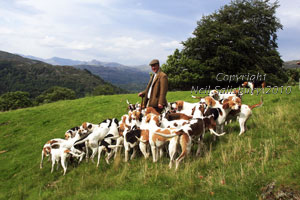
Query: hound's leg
[86, 152]
[119, 142]
[172, 151]
[63, 163]
[41, 163]
[99, 154]
[161, 153]
[133, 153]
[200, 145]
[53, 163]
[143, 148]
[109, 155]
[126, 145]
[242, 123]
[153, 150]
[57, 164]
[95, 150]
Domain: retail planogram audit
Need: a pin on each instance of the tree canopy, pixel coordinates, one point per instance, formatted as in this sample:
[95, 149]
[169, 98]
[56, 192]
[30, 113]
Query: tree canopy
[240, 38]
[14, 100]
[55, 93]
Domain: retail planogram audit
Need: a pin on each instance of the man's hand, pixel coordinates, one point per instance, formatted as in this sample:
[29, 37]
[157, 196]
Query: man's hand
[160, 106]
[141, 94]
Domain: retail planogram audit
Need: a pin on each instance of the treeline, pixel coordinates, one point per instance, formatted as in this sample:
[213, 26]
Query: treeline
[38, 77]
[19, 99]
[240, 38]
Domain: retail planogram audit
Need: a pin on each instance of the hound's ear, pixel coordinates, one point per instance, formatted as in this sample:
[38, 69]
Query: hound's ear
[141, 117]
[193, 110]
[208, 101]
[84, 125]
[157, 121]
[148, 118]
[179, 105]
[226, 104]
[116, 121]
[123, 119]
[130, 117]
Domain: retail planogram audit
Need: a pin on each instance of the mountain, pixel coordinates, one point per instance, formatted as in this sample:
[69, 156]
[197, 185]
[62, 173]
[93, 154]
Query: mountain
[291, 64]
[55, 60]
[130, 78]
[125, 77]
[22, 74]
[70, 62]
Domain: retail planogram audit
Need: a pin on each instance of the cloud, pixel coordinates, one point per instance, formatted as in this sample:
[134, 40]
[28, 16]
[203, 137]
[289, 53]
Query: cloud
[131, 32]
[172, 45]
[288, 13]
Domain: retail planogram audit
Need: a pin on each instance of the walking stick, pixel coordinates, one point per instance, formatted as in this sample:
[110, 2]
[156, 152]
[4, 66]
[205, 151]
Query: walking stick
[142, 103]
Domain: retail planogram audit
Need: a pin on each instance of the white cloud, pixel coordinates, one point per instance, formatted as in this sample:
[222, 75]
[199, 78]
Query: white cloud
[112, 30]
[5, 31]
[172, 45]
[129, 42]
[289, 14]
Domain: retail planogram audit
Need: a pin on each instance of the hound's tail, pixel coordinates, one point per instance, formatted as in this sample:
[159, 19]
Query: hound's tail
[139, 139]
[194, 97]
[257, 105]
[178, 133]
[215, 133]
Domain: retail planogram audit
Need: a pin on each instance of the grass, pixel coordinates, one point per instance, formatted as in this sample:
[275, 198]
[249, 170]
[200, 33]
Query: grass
[233, 167]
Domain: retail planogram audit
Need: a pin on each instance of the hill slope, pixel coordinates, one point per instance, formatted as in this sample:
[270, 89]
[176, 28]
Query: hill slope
[233, 167]
[131, 78]
[22, 74]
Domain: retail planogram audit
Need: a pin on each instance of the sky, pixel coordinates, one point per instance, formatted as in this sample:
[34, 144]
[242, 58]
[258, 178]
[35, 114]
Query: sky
[131, 32]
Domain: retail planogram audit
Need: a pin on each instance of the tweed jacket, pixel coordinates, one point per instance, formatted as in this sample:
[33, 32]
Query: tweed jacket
[158, 92]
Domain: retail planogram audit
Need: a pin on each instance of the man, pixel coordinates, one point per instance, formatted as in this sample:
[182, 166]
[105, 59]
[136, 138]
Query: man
[157, 88]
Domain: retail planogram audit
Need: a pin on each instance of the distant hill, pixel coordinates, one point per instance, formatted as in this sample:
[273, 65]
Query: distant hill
[124, 77]
[291, 64]
[22, 74]
[130, 78]
[70, 62]
[56, 60]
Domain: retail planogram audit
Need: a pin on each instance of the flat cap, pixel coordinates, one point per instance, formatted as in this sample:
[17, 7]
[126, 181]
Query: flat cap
[154, 61]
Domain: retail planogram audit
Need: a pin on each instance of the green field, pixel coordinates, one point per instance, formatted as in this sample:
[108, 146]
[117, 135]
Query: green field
[233, 167]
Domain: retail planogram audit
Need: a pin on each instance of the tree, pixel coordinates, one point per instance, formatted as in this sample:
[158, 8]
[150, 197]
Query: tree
[104, 89]
[14, 100]
[240, 38]
[55, 94]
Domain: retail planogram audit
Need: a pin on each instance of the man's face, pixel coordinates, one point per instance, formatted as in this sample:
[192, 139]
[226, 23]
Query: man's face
[155, 68]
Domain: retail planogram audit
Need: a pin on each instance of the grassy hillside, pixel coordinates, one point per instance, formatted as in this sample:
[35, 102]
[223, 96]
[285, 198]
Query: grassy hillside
[233, 167]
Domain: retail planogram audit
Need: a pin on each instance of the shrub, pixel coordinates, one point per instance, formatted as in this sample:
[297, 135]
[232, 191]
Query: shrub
[14, 100]
[104, 89]
[55, 94]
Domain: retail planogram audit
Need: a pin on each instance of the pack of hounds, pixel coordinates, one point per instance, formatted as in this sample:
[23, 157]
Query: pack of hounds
[180, 124]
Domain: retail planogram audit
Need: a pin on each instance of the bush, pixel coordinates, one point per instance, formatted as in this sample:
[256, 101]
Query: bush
[104, 89]
[14, 100]
[55, 94]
